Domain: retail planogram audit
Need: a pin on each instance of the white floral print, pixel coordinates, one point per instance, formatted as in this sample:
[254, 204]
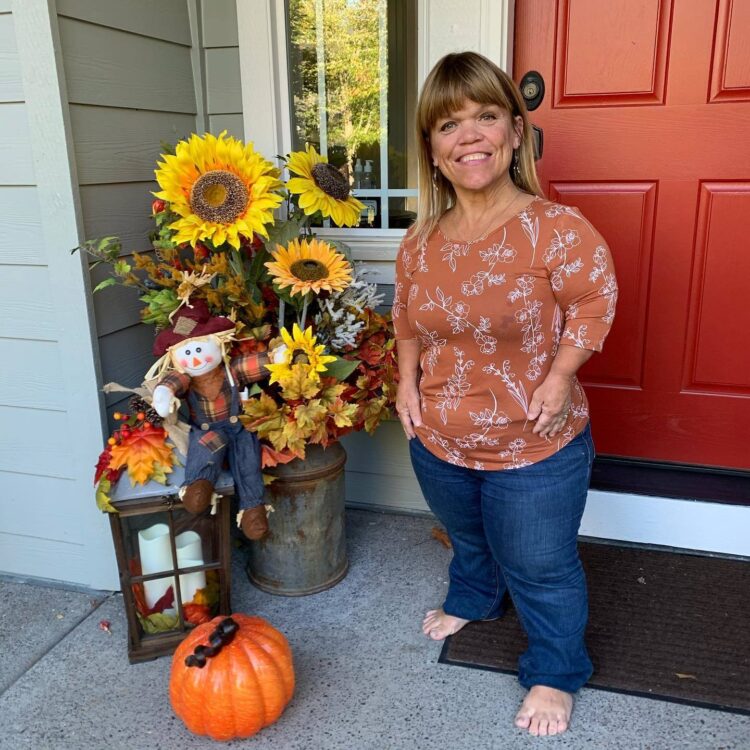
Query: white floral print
[490, 316]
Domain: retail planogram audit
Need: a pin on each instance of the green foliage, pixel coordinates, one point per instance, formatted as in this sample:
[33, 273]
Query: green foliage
[341, 368]
[160, 303]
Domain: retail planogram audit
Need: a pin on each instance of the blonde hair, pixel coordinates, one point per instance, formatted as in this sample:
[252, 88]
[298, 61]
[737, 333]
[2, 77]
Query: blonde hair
[454, 79]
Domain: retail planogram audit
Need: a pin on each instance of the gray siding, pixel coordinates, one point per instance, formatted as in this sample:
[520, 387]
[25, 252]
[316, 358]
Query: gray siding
[48, 414]
[33, 416]
[221, 61]
[130, 87]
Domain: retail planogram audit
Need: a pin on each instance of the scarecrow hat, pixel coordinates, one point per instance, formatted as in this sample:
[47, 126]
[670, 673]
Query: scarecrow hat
[190, 323]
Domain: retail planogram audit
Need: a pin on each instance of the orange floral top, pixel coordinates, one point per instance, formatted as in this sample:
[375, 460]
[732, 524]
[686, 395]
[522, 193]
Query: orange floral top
[490, 315]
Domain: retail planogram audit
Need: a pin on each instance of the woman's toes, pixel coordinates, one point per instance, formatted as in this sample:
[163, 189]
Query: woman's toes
[522, 721]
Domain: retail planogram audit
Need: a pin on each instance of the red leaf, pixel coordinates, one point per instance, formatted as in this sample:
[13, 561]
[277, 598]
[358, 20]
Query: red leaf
[166, 602]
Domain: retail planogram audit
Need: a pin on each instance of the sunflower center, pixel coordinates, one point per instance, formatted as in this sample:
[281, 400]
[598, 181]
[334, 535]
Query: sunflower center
[309, 269]
[331, 181]
[300, 358]
[218, 196]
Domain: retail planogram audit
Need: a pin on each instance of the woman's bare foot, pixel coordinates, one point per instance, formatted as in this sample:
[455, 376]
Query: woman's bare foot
[438, 626]
[545, 711]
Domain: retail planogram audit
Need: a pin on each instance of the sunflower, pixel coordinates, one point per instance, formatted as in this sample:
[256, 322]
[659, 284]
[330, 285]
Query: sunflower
[303, 353]
[309, 266]
[221, 189]
[322, 187]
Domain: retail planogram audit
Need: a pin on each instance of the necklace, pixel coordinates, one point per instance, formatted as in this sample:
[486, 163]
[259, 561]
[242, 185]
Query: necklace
[488, 227]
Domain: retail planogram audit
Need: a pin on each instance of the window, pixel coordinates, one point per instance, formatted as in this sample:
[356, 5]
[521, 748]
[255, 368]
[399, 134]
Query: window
[353, 91]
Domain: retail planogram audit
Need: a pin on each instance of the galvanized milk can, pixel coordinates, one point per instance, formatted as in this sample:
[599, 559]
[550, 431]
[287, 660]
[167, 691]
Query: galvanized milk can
[305, 549]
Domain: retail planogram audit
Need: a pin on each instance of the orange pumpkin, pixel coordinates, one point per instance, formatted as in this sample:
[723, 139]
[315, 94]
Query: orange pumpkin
[240, 681]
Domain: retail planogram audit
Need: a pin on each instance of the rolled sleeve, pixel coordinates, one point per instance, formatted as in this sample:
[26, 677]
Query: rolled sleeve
[402, 293]
[582, 275]
[250, 368]
[177, 382]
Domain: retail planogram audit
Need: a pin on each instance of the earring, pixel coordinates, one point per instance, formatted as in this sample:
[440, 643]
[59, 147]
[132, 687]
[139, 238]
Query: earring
[434, 179]
[516, 169]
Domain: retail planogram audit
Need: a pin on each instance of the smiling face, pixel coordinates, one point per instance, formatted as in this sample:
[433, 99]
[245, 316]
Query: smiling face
[473, 146]
[197, 356]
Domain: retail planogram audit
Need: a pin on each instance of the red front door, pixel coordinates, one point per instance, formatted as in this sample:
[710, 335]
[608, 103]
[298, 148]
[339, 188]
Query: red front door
[646, 124]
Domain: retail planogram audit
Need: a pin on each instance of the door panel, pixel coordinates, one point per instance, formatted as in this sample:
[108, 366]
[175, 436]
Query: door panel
[645, 126]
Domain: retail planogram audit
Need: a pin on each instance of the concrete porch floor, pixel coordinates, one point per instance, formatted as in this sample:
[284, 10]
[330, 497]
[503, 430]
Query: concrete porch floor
[366, 676]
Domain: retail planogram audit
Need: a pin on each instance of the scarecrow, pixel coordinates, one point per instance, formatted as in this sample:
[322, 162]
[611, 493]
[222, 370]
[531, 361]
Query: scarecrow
[194, 352]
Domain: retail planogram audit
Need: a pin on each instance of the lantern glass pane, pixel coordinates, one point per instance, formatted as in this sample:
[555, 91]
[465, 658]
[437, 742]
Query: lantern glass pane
[148, 548]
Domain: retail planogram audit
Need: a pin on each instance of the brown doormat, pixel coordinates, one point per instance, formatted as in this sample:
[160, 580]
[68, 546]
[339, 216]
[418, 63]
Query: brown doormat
[661, 625]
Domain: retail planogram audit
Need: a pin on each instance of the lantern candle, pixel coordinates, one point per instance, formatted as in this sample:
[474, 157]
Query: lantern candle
[190, 555]
[156, 556]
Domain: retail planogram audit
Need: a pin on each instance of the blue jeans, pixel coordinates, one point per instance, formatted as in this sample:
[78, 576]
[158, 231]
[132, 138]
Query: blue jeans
[517, 529]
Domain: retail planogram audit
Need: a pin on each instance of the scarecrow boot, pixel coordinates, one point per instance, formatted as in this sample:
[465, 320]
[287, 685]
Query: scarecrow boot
[196, 497]
[254, 522]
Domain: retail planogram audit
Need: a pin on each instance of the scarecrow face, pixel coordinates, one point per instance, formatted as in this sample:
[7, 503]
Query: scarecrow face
[197, 356]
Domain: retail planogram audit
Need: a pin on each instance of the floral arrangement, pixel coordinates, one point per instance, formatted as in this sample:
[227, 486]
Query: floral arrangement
[217, 239]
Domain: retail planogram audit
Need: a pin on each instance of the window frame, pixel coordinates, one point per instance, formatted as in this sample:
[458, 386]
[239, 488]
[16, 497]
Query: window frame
[264, 75]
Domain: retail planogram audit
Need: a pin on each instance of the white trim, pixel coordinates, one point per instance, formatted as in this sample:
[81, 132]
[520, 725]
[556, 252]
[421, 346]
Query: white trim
[37, 37]
[263, 75]
[198, 64]
[446, 26]
[686, 524]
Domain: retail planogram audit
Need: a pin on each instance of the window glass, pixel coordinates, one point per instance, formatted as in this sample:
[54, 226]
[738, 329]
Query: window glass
[353, 89]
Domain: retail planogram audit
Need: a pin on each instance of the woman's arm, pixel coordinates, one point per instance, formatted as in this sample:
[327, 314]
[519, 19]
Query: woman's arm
[407, 396]
[550, 402]
[583, 281]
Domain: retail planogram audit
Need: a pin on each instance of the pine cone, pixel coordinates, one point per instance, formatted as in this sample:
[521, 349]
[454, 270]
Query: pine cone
[137, 404]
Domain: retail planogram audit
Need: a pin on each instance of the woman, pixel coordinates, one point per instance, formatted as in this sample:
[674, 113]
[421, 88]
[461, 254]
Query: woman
[501, 296]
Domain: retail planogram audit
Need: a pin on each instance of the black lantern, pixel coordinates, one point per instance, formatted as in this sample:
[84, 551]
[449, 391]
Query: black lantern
[174, 566]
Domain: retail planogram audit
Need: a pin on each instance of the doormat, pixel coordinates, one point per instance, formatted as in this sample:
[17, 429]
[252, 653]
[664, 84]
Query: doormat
[661, 625]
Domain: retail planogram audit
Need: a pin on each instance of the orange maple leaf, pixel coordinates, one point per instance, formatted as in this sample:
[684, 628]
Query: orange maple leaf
[271, 457]
[142, 452]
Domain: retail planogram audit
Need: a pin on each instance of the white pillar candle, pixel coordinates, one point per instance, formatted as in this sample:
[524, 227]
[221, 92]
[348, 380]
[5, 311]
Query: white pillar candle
[191, 582]
[189, 546]
[189, 555]
[156, 556]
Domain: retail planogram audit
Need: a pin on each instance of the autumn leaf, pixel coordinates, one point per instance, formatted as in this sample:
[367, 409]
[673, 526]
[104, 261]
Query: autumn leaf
[196, 614]
[271, 457]
[441, 536]
[331, 393]
[293, 439]
[375, 412]
[259, 409]
[102, 496]
[158, 622]
[342, 414]
[209, 594]
[145, 452]
[309, 415]
[298, 385]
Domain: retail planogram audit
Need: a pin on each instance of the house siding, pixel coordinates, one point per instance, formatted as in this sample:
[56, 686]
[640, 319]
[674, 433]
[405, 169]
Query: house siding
[49, 418]
[35, 459]
[221, 56]
[130, 88]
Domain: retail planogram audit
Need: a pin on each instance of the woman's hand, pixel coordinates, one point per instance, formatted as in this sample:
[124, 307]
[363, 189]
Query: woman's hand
[550, 405]
[408, 407]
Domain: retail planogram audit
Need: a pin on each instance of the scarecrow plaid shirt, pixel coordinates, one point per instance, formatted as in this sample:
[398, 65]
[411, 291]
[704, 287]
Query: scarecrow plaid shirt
[246, 369]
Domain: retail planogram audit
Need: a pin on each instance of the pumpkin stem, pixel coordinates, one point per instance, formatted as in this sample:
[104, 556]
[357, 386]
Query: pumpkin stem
[220, 637]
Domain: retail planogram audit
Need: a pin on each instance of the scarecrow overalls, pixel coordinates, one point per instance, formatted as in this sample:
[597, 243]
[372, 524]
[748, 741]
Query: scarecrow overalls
[211, 442]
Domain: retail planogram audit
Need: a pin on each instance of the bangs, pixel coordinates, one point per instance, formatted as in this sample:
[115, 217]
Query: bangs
[457, 78]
